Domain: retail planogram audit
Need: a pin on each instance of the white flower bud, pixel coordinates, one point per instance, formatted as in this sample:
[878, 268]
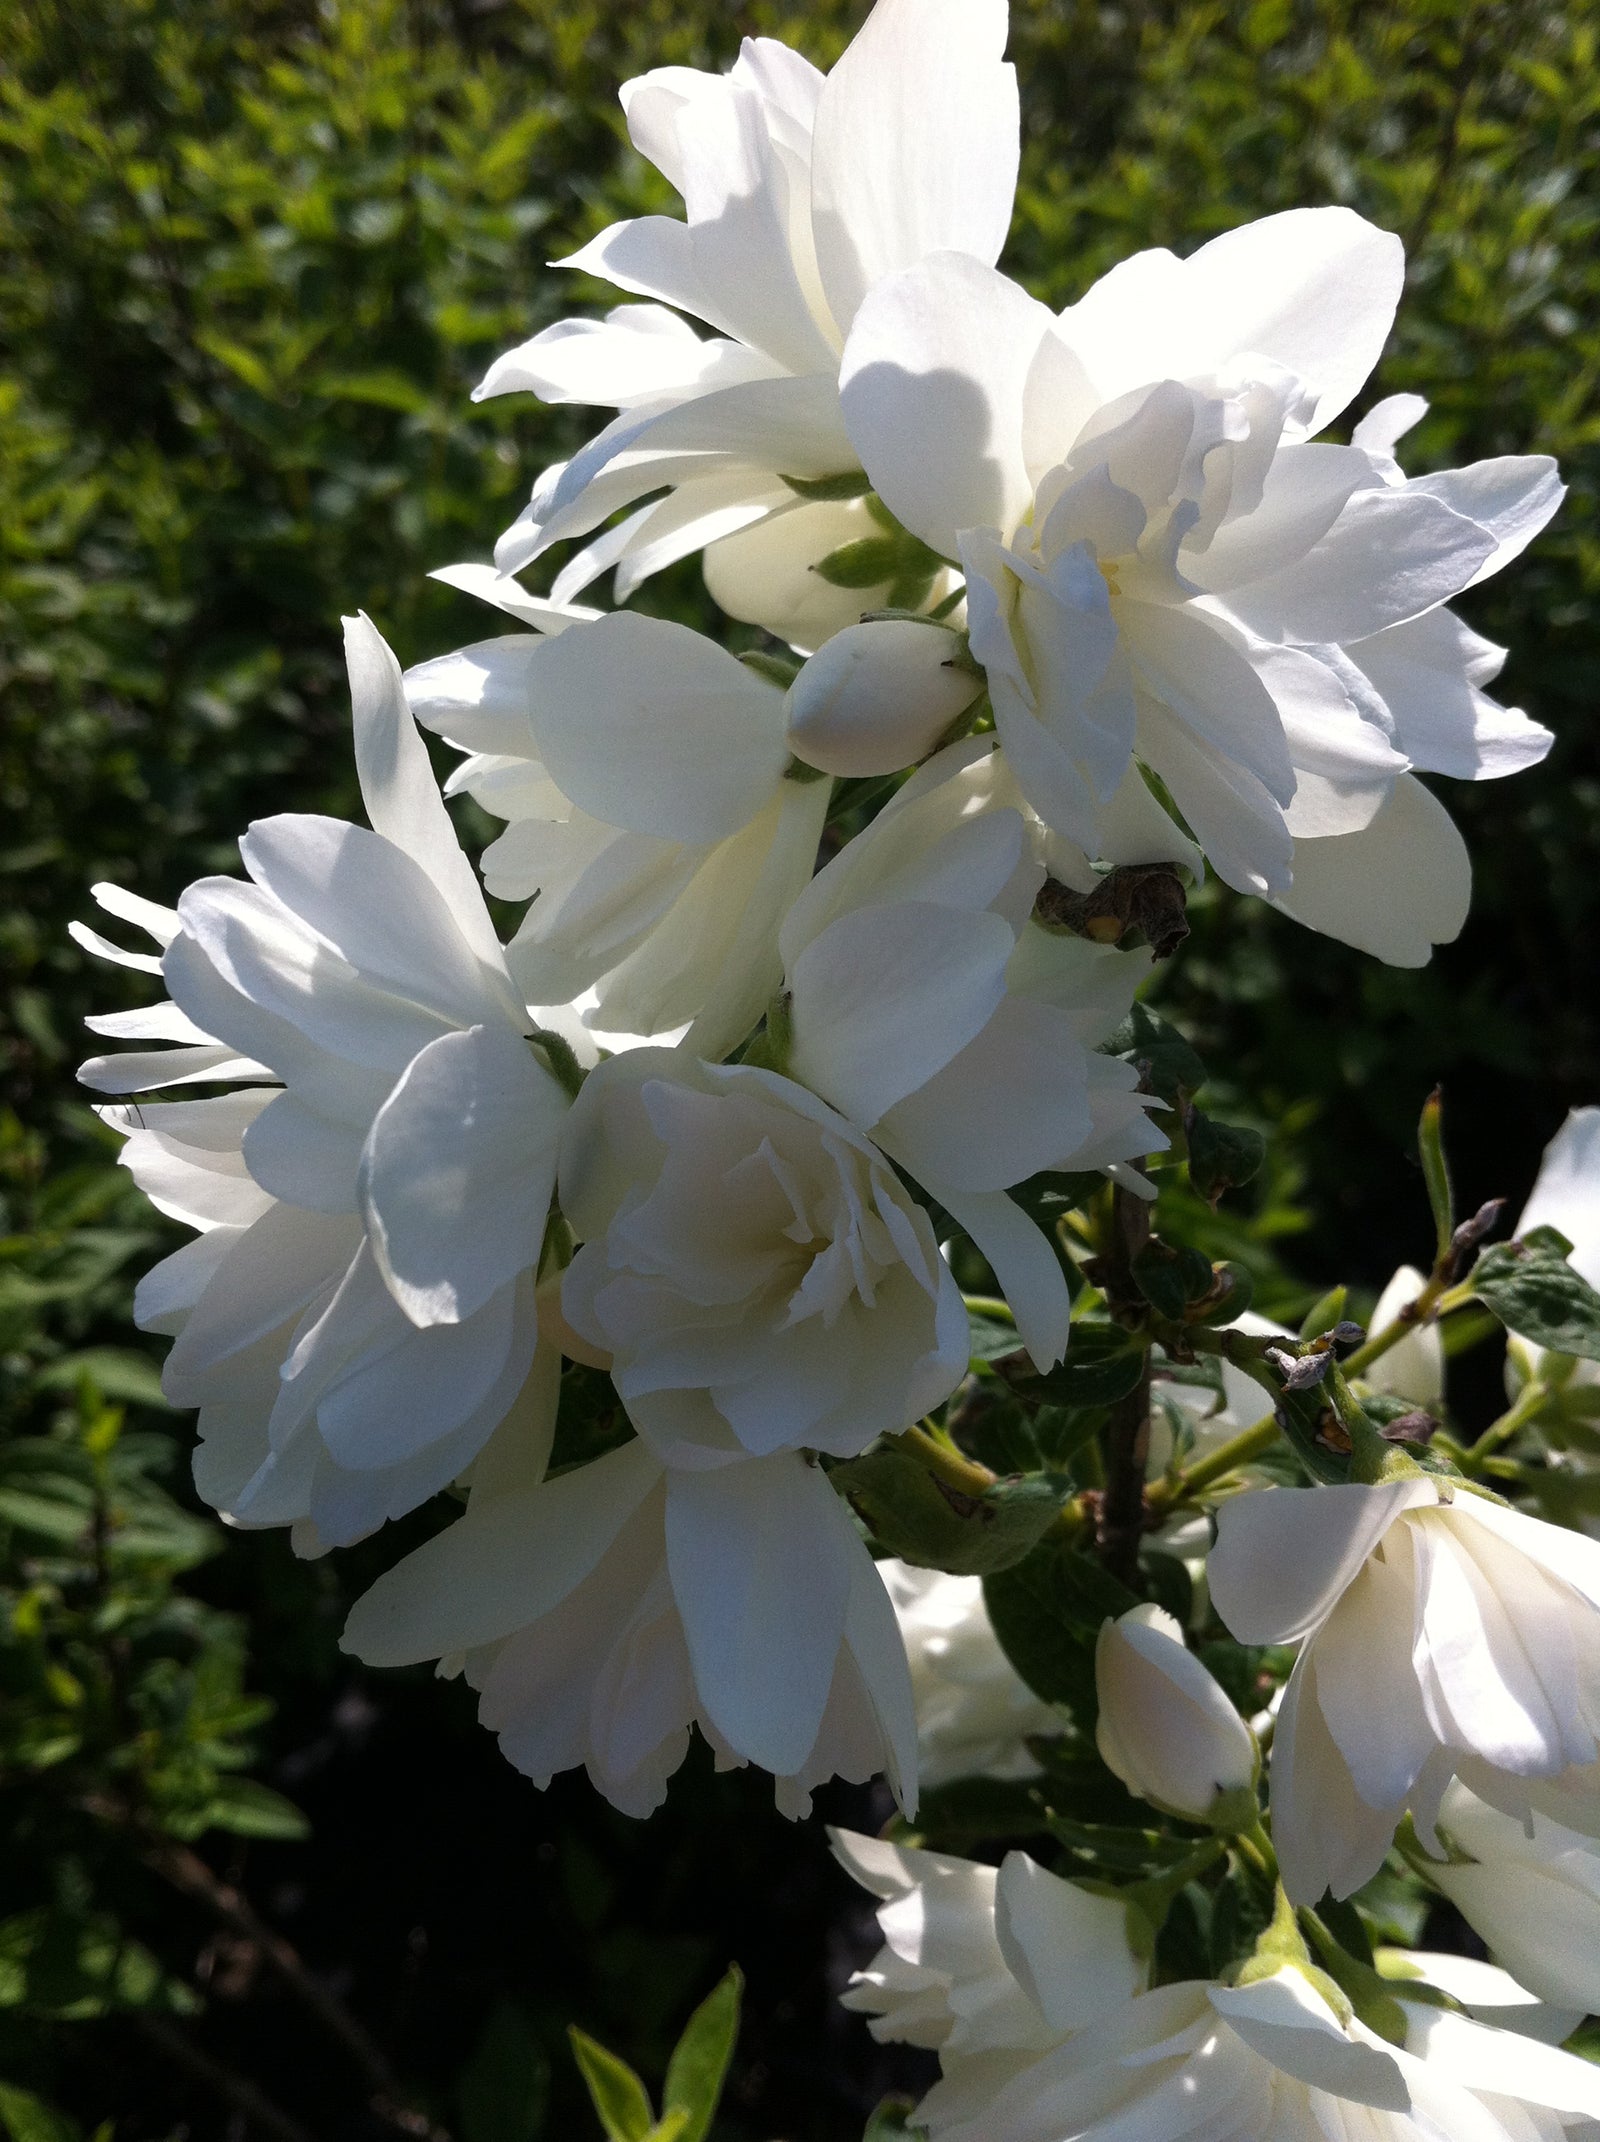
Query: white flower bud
[878, 696]
[1166, 1728]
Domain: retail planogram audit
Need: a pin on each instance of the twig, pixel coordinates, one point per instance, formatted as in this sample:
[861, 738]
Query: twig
[1120, 1517]
[237, 2090]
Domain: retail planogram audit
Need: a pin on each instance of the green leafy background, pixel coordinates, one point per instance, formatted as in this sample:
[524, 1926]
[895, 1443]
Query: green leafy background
[252, 258]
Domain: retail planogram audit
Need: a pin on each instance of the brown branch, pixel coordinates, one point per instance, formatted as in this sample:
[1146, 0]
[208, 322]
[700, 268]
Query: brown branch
[1120, 1513]
[237, 2090]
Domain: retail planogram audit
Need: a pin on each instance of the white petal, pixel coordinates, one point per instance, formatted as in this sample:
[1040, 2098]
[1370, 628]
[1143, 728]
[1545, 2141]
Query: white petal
[932, 392]
[761, 1569]
[1442, 721]
[630, 356]
[1012, 1102]
[506, 594]
[1504, 2063]
[886, 996]
[398, 788]
[492, 1573]
[1284, 1555]
[1287, 2022]
[1512, 496]
[1395, 889]
[650, 726]
[1391, 555]
[766, 575]
[1567, 1192]
[915, 144]
[458, 1171]
[1313, 289]
[304, 1157]
[1027, 1268]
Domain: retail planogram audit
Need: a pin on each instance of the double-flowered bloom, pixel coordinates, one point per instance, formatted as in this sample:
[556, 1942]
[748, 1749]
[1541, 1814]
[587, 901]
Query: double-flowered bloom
[356, 1315]
[1166, 567]
[1441, 1635]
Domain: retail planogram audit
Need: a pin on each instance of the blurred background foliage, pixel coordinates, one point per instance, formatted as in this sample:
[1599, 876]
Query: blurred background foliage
[253, 256]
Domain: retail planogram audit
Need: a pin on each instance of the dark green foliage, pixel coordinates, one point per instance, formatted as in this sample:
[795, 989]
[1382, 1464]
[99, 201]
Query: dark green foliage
[253, 256]
[1534, 1292]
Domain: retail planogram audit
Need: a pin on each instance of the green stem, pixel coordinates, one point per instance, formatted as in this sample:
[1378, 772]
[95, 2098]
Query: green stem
[1527, 1404]
[1255, 1848]
[1239, 1450]
[990, 1305]
[944, 1461]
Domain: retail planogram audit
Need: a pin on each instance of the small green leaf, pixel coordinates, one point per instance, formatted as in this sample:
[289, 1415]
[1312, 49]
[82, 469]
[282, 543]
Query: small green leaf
[1535, 1292]
[1436, 1171]
[250, 1809]
[924, 1521]
[699, 2064]
[1103, 1364]
[26, 2118]
[616, 2092]
[1157, 1271]
[990, 1338]
[1324, 1314]
[1222, 1155]
[1172, 1067]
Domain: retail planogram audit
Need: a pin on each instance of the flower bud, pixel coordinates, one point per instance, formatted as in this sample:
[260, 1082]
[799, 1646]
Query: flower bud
[878, 696]
[1166, 1728]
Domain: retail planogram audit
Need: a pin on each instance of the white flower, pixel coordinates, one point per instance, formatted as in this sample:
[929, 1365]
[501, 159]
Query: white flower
[1208, 2063]
[990, 1966]
[357, 1313]
[1532, 1890]
[1438, 1637]
[1165, 1727]
[801, 191]
[974, 1710]
[1163, 564]
[930, 1011]
[757, 1274]
[640, 768]
[602, 1613]
[878, 697]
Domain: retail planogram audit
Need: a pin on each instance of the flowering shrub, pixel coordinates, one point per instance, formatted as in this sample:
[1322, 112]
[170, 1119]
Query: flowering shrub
[811, 1112]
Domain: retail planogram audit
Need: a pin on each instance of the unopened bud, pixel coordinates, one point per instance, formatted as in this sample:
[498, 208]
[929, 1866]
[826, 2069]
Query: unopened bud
[1166, 1728]
[878, 696]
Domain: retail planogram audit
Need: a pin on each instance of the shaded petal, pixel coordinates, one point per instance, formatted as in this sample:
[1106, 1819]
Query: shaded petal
[1027, 1268]
[1284, 1555]
[501, 1566]
[1396, 888]
[650, 726]
[458, 1172]
[932, 392]
[760, 1558]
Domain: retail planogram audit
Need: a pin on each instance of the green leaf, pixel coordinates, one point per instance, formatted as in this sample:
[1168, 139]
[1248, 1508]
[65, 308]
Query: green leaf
[1157, 1271]
[26, 2118]
[699, 2063]
[1535, 1292]
[616, 2092]
[969, 1811]
[1436, 1172]
[1222, 1155]
[1047, 1612]
[1103, 1364]
[1172, 1067]
[990, 1338]
[503, 2088]
[923, 1520]
[118, 1372]
[250, 1809]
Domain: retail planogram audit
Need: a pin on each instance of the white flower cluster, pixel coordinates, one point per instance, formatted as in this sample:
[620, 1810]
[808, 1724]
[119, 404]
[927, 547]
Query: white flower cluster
[630, 1230]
